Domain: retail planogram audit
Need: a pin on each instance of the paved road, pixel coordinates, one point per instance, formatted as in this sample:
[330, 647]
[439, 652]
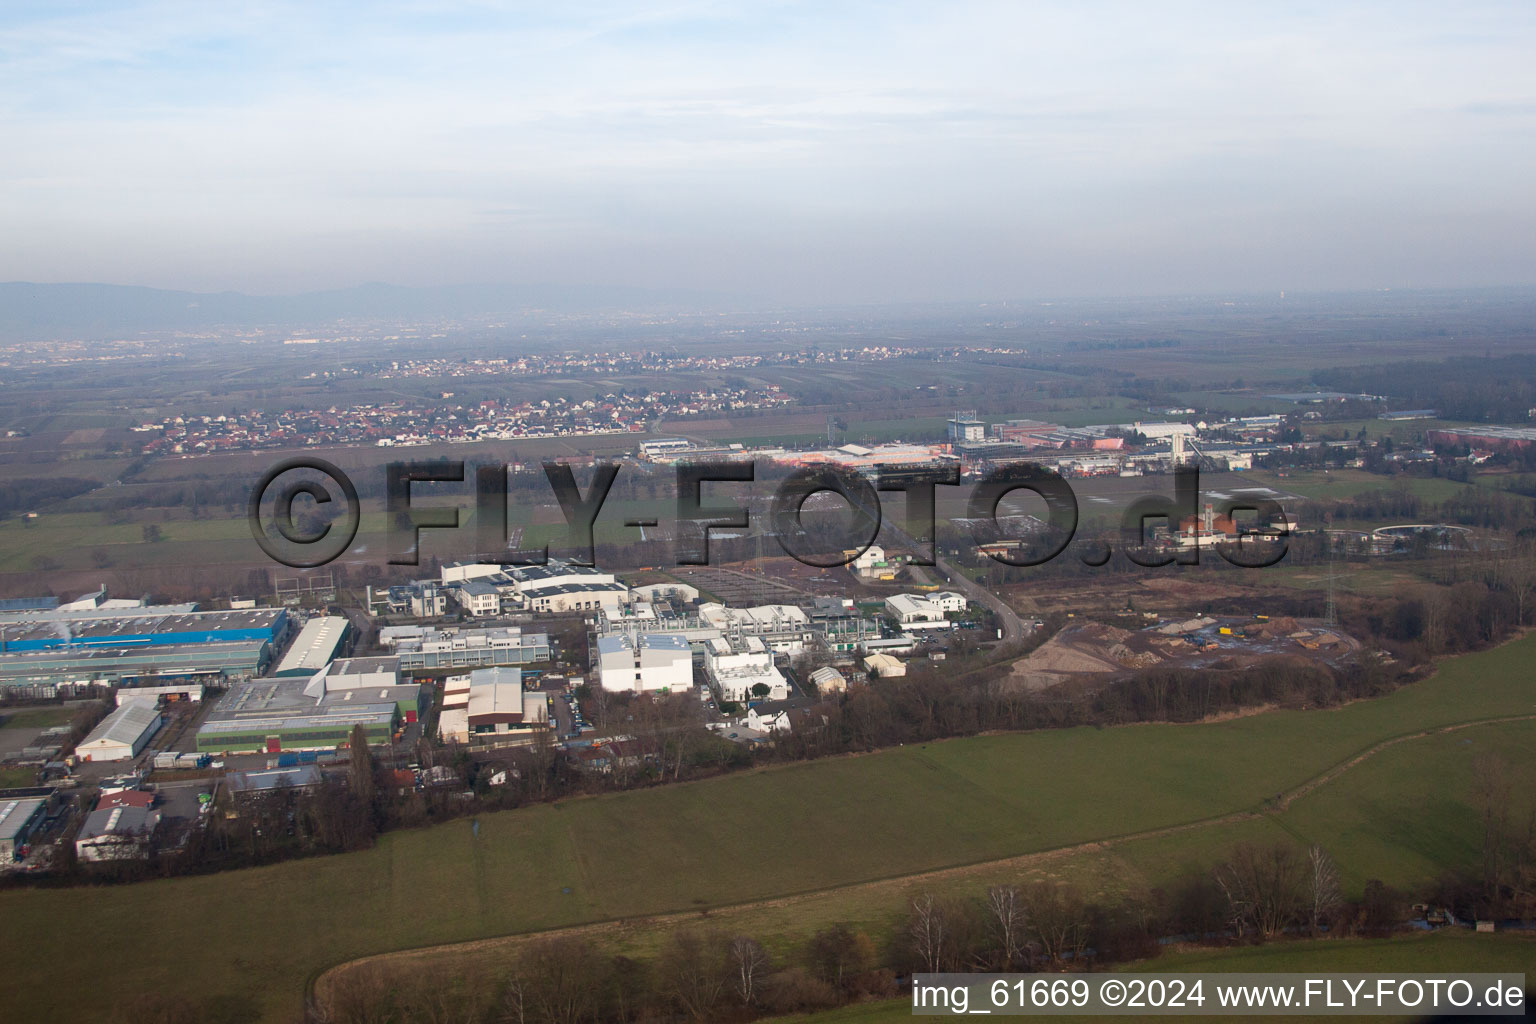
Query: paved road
[1014, 630]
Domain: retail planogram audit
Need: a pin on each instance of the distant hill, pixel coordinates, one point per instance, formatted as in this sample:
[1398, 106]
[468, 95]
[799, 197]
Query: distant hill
[44, 311]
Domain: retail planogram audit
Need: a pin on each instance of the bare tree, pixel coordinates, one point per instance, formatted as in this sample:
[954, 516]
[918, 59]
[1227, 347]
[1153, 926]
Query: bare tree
[1491, 791]
[515, 1005]
[1264, 887]
[748, 959]
[928, 930]
[431, 999]
[695, 973]
[1436, 612]
[360, 770]
[363, 995]
[554, 982]
[839, 951]
[1323, 893]
[1007, 910]
[1057, 919]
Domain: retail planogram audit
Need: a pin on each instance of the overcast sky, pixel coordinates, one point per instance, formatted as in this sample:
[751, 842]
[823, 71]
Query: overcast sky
[798, 152]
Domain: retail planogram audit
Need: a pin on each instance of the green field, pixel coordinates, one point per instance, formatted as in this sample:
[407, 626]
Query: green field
[803, 828]
[37, 718]
[1409, 954]
[71, 540]
[1398, 430]
[17, 778]
[1403, 820]
[1340, 484]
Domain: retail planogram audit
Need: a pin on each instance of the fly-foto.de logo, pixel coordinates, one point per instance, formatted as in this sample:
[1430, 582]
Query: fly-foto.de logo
[1252, 531]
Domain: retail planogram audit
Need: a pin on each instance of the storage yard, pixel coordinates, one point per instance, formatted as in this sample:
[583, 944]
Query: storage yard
[1092, 654]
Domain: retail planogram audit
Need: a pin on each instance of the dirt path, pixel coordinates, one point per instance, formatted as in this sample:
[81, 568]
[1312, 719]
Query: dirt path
[504, 945]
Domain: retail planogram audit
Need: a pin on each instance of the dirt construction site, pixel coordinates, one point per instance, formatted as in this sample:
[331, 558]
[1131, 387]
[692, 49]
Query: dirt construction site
[1094, 653]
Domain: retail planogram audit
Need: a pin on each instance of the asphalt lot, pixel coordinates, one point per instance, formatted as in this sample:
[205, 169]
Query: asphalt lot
[178, 800]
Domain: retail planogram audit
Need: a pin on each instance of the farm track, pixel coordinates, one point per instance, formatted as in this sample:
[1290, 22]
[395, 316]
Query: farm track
[504, 945]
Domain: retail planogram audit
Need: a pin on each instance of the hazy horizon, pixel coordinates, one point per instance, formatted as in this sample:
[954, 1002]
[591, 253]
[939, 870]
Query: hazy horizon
[786, 152]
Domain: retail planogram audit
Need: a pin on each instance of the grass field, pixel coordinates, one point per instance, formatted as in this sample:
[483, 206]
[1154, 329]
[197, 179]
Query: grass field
[1398, 430]
[808, 828]
[1377, 578]
[1376, 829]
[1409, 954]
[1341, 484]
[37, 718]
[16, 778]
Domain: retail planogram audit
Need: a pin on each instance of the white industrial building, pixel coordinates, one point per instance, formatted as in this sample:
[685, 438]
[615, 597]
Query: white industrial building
[362, 673]
[680, 593]
[868, 561]
[562, 587]
[885, 666]
[916, 611]
[460, 572]
[425, 648]
[736, 665]
[422, 599]
[949, 600]
[122, 734]
[1160, 431]
[489, 705]
[157, 694]
[644, 663]
[479, 598]
[486, 589]
[829, 680]
[784, 628]
[314, 647]
[116, 833]
[556, 598]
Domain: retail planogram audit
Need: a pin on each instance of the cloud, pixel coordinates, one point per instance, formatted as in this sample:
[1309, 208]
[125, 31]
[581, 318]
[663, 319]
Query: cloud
[739, 145]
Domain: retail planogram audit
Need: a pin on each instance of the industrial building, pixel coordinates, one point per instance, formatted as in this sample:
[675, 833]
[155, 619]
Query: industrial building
[871, 563]
[1491, 438]
[427, 649]
[829, 680]
[291, 713]
[422, 599]
[67, 670]
[921, 611]
[964, 426]
[885, 666]
[362, 673]
[675, 593]
[459, 572]
[645, 663]
[247, 785]
[736, 665]
[45, 652]
[17, 820]
[122, 734]
[784, 628]
[116, 833]
[664, 446]
[487, 590]
[169, 693]
[870, 462]
[556, 598]
[479, 598]
[489, 706]
[74, 629]
[317, 643]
